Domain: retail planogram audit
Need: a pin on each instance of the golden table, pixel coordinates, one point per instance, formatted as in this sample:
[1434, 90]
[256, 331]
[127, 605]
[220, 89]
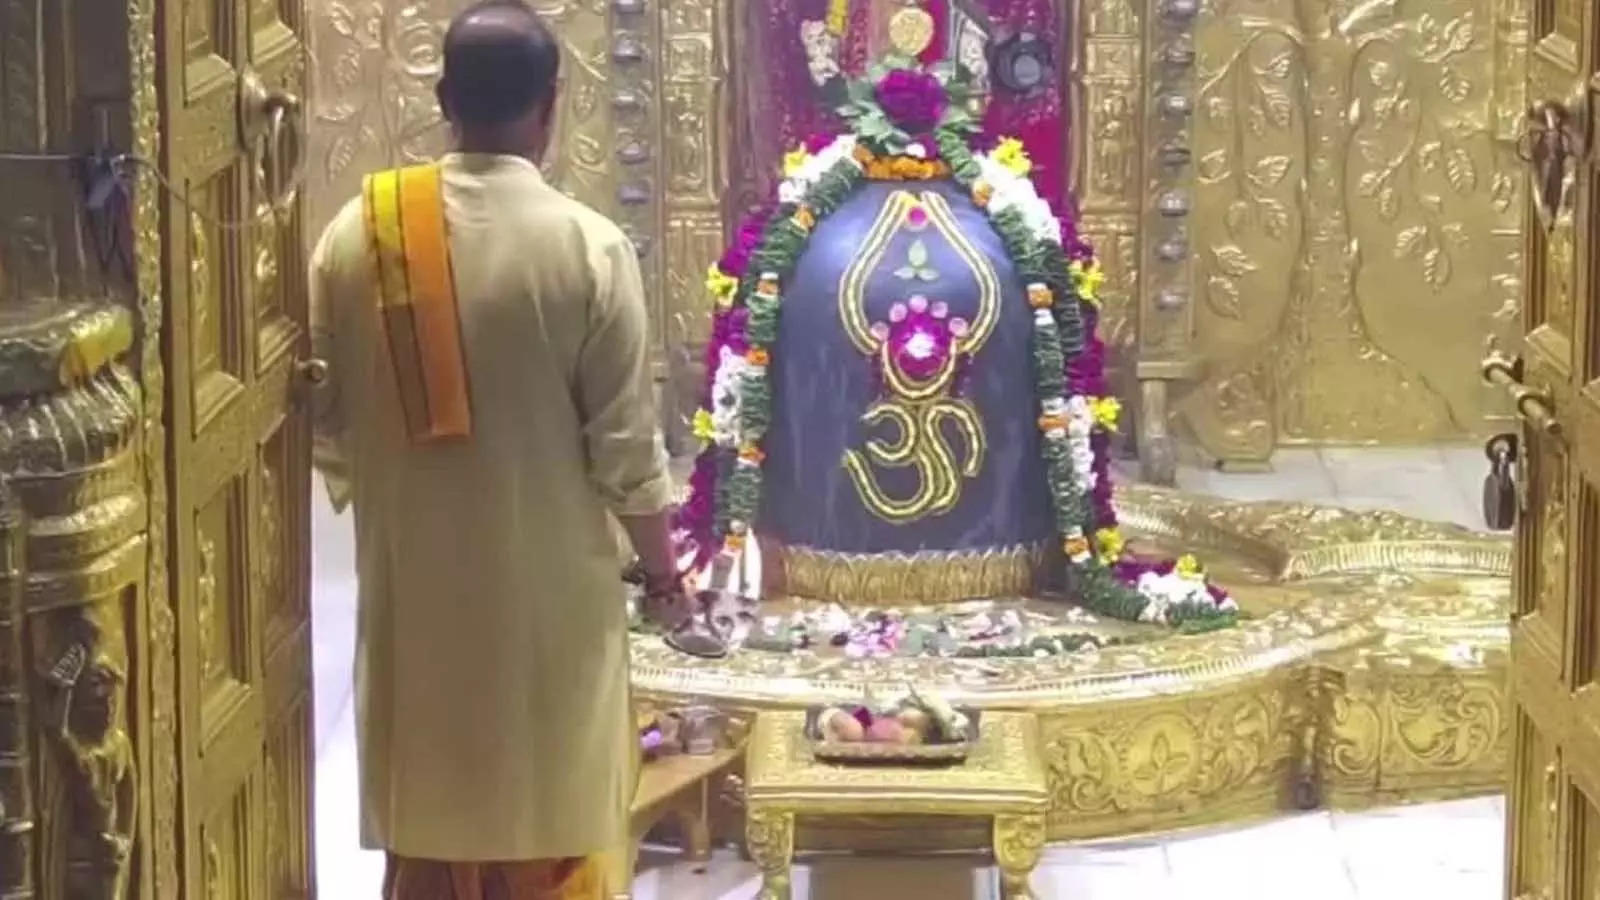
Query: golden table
[1003, 780]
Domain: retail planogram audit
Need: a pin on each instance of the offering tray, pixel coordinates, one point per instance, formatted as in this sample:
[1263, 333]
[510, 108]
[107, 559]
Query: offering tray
[873, 753]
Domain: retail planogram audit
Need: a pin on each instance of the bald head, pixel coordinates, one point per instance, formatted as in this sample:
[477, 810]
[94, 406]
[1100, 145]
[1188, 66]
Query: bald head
[500, 67]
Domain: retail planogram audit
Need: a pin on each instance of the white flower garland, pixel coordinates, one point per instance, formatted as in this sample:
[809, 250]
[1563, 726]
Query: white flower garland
[1016, 190]
[798, 183]
[1174, 590]
[727, 398]
[1164, 594]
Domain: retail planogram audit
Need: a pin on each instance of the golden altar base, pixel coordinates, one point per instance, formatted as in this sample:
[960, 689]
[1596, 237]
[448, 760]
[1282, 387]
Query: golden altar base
[1001, 784]
[1370, 669]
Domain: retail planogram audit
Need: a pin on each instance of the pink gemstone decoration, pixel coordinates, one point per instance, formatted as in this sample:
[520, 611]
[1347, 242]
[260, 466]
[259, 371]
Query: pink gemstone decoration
[917, 218]
[921, 337]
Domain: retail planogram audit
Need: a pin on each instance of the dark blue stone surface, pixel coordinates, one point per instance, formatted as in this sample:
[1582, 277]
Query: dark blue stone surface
[822, 384]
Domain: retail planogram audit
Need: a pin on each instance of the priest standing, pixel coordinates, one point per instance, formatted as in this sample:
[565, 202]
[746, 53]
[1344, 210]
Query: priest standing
[489, 403]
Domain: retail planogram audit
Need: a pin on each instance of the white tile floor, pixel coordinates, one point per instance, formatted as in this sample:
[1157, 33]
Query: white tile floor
[1447, 850]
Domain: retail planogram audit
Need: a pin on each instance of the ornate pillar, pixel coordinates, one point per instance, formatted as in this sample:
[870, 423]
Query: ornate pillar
[69, 420]
[1134, 181]
[17, 820]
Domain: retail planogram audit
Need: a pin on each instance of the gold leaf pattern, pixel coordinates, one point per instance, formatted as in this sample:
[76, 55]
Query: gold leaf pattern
[1269, 170]
[1223, 296]
[1316, 147]
[1233, 260]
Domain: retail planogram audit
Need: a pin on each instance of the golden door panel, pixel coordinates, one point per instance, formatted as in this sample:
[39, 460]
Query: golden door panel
[221, 610]
[1542, 562]
[232, 124]
[1534, 808]
[275, 329]
[1585, 648]
[202, 22]
[215, 365]
[282, 609]
[286, 808]
[1585, 816]
[1556, 67]
[226, 837]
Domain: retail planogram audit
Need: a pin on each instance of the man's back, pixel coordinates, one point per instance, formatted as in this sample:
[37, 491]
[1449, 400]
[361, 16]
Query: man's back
[492, 623]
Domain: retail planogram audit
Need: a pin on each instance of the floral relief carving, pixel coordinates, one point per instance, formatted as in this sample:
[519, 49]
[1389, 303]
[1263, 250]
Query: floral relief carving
[377, 64]
[206, 609]
[269, 571]
[1335, 167]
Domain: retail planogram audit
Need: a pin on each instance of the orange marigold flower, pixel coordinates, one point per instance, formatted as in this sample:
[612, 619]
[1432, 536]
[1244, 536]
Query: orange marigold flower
[767, 287]
[863, 155]
[1051, 423]
[805, 218]
[904, 168]
[756, 356]
[1040, 296]
[981, 192]
[1075, 546]
[751, 453]
[733, 543]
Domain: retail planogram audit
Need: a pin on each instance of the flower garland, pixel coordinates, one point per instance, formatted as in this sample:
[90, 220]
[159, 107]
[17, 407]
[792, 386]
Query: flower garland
[909, 124]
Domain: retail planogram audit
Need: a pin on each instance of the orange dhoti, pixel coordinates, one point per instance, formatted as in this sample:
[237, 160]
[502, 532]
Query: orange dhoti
[557, 879]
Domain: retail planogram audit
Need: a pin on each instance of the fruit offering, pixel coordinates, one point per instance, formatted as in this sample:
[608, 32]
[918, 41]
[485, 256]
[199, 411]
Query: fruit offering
[916, 718]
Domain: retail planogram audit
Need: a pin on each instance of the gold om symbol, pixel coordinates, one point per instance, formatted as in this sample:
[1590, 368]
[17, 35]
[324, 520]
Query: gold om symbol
[922, 445]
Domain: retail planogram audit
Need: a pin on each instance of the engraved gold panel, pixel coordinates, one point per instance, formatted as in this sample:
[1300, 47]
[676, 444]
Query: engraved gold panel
[1533, 811]
[203, 22]
[286, 806]
[1357, 221]
[214, 356]
[1542, 611]
[1586, 843]
[227, 839]
[374, 106]
[222, 612]
[1108, 141]
[694, 132]
[1586, 628]
[274, 566]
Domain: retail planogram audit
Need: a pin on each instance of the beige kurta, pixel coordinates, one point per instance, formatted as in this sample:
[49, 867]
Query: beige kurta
[491, 662]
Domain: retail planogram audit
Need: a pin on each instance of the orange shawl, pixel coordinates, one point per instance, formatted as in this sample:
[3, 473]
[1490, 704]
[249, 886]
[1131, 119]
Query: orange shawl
[417, 300]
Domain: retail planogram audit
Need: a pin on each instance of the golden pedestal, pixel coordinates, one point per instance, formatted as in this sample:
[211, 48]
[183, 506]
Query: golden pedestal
[1369, 668]
[1002, 782]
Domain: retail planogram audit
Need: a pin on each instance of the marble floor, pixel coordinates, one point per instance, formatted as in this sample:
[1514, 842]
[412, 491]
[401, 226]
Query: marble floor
[1448, 850]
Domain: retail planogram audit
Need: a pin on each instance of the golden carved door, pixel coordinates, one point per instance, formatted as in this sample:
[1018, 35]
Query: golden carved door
[238, 447]
[1554, 808]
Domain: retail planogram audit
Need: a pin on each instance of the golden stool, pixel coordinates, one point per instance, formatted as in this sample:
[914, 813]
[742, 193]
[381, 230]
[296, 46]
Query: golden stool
[1002, 780]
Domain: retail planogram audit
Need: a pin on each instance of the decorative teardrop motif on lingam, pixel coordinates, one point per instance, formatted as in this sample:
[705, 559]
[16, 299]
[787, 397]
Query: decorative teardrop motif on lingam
[919, 351]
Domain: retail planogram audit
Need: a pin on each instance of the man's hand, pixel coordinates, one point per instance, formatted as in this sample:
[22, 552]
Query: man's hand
[666, 602]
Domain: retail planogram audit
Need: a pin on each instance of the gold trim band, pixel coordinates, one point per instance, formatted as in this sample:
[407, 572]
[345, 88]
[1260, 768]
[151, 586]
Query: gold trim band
[907, 579]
